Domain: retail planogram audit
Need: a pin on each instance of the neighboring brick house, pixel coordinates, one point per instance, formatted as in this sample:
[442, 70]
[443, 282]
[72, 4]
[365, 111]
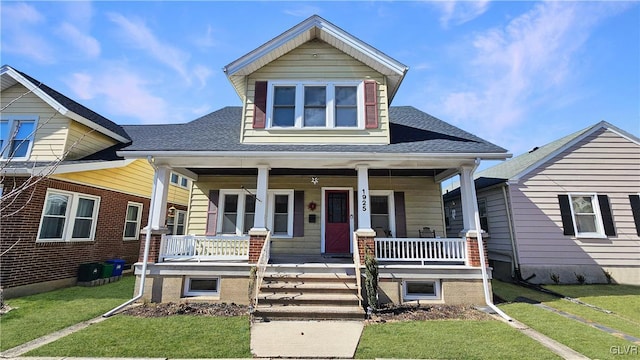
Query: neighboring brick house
[563, 210]
[313, 172]
[66, 197]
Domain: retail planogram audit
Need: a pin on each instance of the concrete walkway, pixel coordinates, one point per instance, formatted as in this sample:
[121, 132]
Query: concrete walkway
[306, 339]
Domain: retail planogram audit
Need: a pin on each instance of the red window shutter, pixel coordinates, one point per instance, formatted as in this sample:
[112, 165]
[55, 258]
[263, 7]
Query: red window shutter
[260, 105]
[371, 104]
[212, 212]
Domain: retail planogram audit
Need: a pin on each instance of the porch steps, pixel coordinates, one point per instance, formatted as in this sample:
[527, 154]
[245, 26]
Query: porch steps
[312, 294]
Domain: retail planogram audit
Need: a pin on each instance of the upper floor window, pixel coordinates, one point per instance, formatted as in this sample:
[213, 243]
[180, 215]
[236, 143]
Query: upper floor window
[68, 216]
[179, 180]
[16, 137]
[315, 105]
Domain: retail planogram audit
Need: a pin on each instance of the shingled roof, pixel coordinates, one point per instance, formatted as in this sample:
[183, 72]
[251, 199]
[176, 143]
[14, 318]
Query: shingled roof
[67, 104]
[412, 131]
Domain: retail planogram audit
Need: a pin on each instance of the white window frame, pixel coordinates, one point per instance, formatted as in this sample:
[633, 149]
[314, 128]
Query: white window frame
[187, 286]
[436, 288]
[486, 213]
[12, 121]
[330, 104]
[179, 180]
[599, 233]
[272, 209]
[176, 216]
[138, 221]
[392, 208]
[70, 216]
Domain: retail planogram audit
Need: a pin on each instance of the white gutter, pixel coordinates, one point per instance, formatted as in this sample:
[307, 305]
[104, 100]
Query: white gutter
[147, 244]
[483, 263]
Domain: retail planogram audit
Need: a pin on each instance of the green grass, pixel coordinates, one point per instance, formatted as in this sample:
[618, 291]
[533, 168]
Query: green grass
[582, 338]
[450, 339]
[624, 300]
[180, 336]
[41, 314]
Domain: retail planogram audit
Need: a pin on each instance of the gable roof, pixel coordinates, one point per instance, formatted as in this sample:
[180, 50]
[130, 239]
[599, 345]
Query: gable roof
[412, 132]
[315, 27]
[63, 104]
[521, 165]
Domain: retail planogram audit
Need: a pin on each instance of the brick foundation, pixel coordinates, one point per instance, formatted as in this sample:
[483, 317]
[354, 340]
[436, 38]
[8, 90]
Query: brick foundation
[365, 244]
[256, 242]
[473, 255]
[154, 247]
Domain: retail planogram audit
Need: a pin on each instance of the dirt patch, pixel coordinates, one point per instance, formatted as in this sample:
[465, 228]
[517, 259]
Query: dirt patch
[430, 312]
[201, 309]
[385, 314]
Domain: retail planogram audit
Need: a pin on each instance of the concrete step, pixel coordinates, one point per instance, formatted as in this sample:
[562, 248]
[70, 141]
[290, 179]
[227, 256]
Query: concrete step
[309, 286]
[300, 299]
[308, 277]
[280, 312]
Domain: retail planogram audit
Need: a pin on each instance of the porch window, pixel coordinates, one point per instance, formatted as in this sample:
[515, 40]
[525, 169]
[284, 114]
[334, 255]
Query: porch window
[249, 213]
[238, 212]
[132, 221]
[421, 290]
[315, 105]
[586, 215]
[382, 212]
[280, 217]
[68, 216]
[230, 213]
[176, 223]
[201, 286]
[16, 137]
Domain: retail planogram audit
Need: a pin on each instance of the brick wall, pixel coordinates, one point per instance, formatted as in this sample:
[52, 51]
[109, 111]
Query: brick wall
[473, 255]
[29, 262]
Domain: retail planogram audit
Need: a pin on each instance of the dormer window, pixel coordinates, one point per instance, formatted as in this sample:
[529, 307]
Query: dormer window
[315, 105]
[16, 137]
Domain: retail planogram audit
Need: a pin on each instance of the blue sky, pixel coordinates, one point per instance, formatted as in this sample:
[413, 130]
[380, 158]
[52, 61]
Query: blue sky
[519, 74]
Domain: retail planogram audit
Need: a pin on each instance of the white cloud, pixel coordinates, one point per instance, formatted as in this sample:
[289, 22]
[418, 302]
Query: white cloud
[124, 93]
[303, 11]
[140, 36]
[207, 40]
[520, 66]
[460, 12]
[22, 29]
[202, 73]
[85, 43]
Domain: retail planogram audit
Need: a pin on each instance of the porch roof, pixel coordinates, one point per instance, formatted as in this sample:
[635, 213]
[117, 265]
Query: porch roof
[412, 132]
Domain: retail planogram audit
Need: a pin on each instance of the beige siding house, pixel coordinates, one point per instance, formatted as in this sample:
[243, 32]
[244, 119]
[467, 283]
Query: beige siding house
[315, 172]
[566, 209]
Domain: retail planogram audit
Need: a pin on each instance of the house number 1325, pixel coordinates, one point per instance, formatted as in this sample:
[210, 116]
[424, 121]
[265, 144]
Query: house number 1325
[364, 200]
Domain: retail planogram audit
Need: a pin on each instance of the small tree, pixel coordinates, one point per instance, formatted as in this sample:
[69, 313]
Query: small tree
[371, 280]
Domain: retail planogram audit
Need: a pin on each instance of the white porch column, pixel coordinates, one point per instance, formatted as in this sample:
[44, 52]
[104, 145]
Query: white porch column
[260, 220]
[363, 200]
[158, 206]
[468, 197]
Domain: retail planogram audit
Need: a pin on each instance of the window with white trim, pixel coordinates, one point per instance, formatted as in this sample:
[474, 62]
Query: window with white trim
[237, 208]
[421, 289]
[315, 105]
[201, 286]
[68, 216]
[179, 180]
[176, 223]
[382, 212]
[132, 221]
[16, 136]
[587, 220]
[482, 213]
[280, 218]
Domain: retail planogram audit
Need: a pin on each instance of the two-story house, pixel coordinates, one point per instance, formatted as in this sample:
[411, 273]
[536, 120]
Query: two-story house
[66, 198]
[311, 174]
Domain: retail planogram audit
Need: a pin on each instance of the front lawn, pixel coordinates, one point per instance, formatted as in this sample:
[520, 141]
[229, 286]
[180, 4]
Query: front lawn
[179, 336]
[594, 343]
[448, 339]
[38, 315]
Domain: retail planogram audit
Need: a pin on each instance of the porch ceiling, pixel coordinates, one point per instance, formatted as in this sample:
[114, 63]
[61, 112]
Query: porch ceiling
[319, 172]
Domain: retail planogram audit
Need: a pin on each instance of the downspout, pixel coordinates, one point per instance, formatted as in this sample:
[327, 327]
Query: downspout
[483, 263]
[515, 263]
[147, 244]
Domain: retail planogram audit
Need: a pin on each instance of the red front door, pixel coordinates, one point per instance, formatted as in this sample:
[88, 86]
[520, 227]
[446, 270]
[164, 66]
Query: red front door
[337, 224]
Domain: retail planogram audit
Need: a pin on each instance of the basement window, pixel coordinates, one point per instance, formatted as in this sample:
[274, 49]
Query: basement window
[421, 290]
[201, 286]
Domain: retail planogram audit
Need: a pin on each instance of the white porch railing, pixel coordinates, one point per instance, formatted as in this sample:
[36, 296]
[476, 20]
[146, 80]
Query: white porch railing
[194, 247]
[421, 249]
[261, 266]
